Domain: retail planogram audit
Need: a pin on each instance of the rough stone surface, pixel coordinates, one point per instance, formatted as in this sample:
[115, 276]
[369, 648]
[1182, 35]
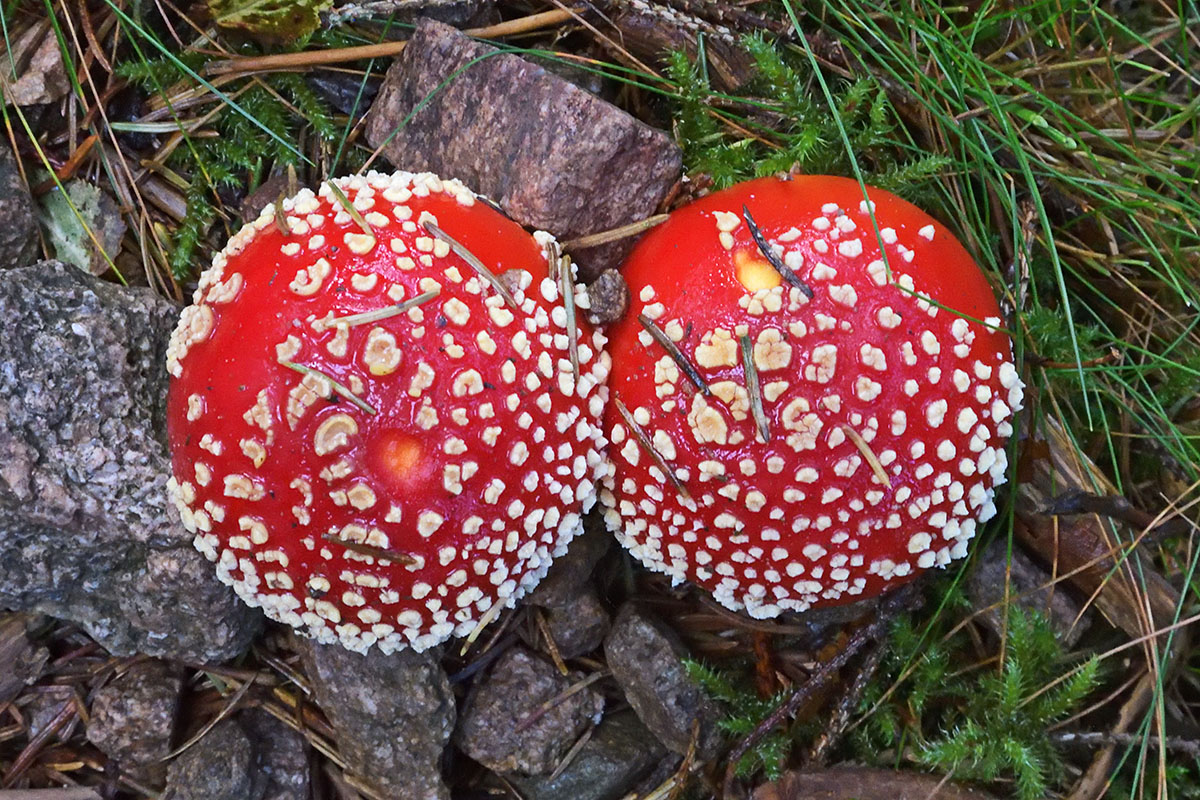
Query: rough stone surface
[646, 658]
[133, 717]
[578, 626]
[608, 298]
[282, 755]
[499, 728]
[221, 766]
[461, 13]
[393, 714]
[36, 59]
[18, 234]
[552, 155]
[568, 576]
[619, 753]
[86, 530]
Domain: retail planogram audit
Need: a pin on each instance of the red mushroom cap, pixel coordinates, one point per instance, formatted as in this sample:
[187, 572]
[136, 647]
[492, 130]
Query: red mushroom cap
[374, 442]
[885, 399]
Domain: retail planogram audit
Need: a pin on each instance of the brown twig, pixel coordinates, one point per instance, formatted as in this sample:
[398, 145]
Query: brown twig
[648, 446]
[835, 728]
[772, 258]
[615, 234]
[1175, 744]
[368, 550]
[340, 55]
[1077, 501]
[902, 599]
[664, 341]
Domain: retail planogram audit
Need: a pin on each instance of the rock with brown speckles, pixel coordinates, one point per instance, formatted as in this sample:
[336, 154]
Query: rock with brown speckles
[282, 755]
[394, 715]
[608, 298]
[517, 719]
[86, 530]
[619, 754]
[552, 155]
[646, 658]
[133, 717]
[223, 765]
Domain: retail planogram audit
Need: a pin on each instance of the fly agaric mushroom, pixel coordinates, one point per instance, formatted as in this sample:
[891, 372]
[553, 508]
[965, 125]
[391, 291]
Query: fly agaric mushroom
[805, 411]
[380, 432]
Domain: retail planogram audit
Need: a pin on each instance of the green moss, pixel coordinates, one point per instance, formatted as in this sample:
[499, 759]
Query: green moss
[796, 131]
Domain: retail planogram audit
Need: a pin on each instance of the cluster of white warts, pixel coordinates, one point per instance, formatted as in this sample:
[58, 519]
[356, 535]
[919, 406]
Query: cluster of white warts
[830, 497]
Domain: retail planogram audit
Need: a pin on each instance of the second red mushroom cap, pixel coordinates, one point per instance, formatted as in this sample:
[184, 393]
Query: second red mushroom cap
[812, 395]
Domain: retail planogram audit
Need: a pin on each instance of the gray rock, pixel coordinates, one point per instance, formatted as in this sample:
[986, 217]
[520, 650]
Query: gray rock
[646, 658]
[18, 234]
[575, 616]
[619, 753]
[21, 660]
[505, 726]
[578, 626]
[43, 706]
[393, 714]
[569, 575]
[133, 717]
[552, 155]
[86, 530]
[282, 756]
[608, 298]
[221, 766]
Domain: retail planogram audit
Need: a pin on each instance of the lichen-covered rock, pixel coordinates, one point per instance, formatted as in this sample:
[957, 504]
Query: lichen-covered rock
[86, 530]
[646, 658]
[394, 715]
[133, 717]
[18, 233]
[619, 753]
[223, 765]
[506, 725]
[552, 155]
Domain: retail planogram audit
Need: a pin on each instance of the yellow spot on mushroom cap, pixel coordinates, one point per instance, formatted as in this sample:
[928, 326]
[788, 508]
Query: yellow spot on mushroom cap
[754, 272]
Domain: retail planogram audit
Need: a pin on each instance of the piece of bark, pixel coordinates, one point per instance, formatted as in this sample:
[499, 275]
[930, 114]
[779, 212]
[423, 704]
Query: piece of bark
[651, 30]
[1030, 586]
[864, 783]
[550, 154]
[1086, 546]
[36, 60]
